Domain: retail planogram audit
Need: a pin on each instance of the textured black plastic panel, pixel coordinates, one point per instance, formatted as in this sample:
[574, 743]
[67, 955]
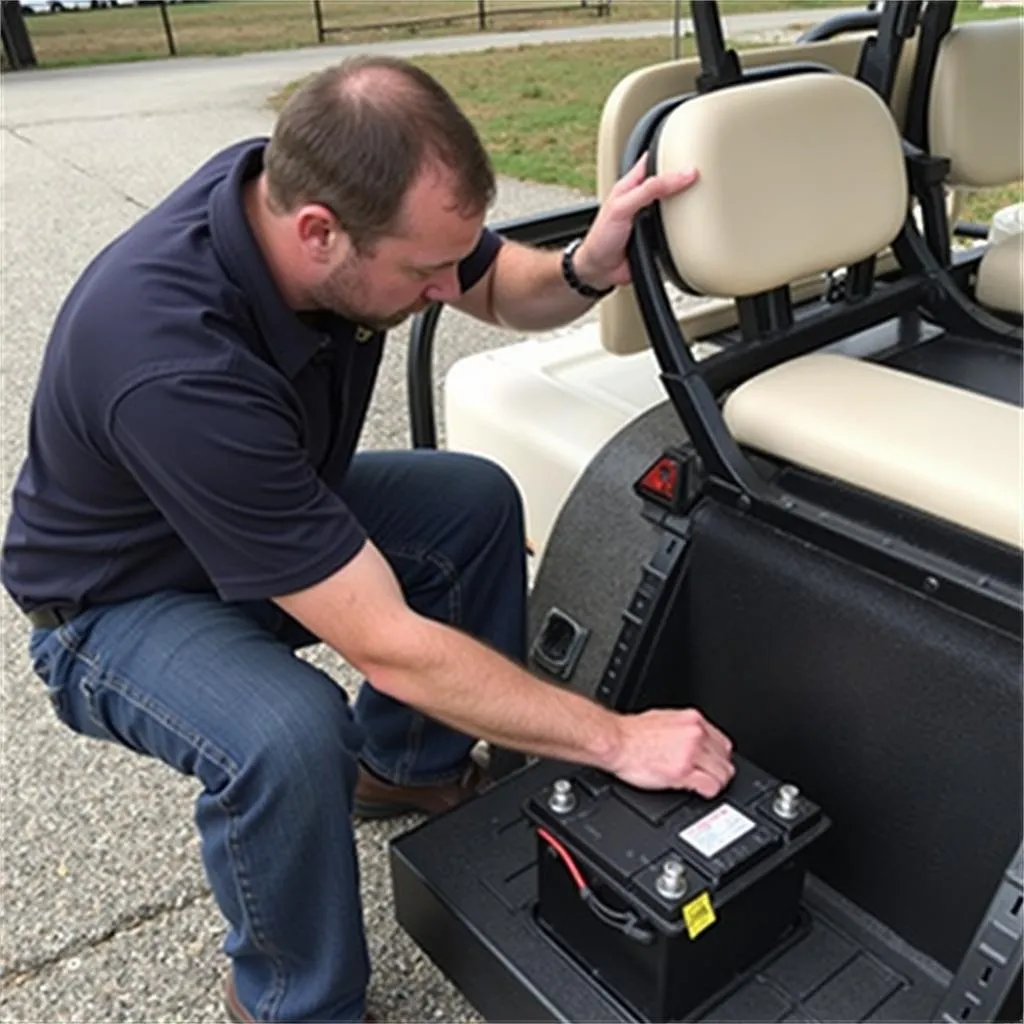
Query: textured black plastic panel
[602, 517]
[878, 700]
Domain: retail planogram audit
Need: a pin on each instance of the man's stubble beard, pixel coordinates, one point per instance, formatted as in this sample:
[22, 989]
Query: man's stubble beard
[338, 295]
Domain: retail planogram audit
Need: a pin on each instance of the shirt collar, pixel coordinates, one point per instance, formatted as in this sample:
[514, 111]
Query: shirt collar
[291, 342]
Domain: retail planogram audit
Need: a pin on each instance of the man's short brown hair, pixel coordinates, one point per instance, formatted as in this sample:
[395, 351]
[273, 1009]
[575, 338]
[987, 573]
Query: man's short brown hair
[356, 136]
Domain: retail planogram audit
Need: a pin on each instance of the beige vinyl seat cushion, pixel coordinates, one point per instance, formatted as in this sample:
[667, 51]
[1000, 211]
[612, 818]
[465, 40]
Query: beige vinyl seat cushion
[1000, 283]
[947, 452]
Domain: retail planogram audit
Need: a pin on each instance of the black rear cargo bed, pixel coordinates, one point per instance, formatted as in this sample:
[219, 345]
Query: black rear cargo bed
[464, 889]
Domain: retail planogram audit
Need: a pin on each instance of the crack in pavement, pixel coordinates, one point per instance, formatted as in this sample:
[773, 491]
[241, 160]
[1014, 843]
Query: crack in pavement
[201, 108]
[21, 971]
[67, 161]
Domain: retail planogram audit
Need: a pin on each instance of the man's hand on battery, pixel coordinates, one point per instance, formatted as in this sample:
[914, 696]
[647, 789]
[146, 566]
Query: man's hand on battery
[674, 749]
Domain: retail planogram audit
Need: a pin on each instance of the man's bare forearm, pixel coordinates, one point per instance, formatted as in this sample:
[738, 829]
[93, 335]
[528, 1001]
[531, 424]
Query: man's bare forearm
[466, 685]
[361, 613]
[530, 293]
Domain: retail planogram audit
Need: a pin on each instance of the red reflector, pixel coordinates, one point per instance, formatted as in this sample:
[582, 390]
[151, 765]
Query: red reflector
[661, 480]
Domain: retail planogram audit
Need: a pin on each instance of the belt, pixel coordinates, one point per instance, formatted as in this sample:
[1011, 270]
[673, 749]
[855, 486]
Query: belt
[51, 618]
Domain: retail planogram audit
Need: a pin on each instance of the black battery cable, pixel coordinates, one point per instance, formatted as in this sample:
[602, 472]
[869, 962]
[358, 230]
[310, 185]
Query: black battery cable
[624, 921]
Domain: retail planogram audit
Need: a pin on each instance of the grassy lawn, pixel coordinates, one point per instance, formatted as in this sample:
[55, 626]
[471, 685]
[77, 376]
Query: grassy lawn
[240, 26]
[980, 206]
[537, 107]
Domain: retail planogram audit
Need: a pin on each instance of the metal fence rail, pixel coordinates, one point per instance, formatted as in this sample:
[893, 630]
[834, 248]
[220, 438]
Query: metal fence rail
[19, 52]
[480, 15]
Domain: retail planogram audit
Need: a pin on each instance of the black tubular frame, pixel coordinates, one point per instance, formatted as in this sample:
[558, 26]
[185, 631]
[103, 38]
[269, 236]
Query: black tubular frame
[719, 67]
[694, 389]
[551, 229]
[880, 58]
[840, 24]
[935, 25]
[927, 172]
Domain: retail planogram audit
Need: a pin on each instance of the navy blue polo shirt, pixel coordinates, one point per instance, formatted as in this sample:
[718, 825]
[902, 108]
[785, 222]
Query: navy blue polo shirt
[189, 431]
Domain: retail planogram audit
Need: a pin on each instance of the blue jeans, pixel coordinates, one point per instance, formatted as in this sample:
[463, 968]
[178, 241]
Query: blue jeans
[215, 690]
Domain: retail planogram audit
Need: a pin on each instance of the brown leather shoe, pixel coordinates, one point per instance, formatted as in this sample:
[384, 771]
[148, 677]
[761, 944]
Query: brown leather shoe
[238, 1014]
[376, 798]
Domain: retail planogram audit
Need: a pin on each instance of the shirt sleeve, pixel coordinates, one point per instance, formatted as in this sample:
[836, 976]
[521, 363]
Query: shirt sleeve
[478, 262]
[221, 459]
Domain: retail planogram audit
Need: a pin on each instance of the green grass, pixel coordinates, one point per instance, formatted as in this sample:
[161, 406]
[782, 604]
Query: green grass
[537, 108]
[980, 206]
[242, 26]
[971, 10]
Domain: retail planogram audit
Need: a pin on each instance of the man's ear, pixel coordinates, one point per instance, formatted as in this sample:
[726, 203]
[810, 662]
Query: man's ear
[320, 234]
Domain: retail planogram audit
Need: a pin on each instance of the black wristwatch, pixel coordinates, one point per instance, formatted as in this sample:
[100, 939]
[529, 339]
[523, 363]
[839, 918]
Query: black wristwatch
[569, 273]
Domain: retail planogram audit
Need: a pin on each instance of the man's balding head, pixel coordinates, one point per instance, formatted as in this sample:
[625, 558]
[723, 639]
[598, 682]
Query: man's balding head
[355, 137]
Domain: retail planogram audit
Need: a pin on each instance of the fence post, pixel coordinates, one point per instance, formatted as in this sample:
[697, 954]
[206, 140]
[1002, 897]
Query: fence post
[481, 15]
[16, 41]
[318, 16]
[172, 49]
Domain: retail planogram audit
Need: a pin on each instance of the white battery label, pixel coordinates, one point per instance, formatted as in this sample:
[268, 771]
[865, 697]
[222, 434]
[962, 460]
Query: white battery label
[711, 834]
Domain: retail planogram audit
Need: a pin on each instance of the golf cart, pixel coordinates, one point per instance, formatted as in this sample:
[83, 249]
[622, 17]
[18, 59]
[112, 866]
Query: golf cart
[794, 502]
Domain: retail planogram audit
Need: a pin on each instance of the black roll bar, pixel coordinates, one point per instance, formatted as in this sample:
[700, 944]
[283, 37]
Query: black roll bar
[719, 67]
[935, 25]
[840, 24]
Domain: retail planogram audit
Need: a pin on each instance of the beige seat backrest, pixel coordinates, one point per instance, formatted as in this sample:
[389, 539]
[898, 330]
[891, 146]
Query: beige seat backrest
[976, 120]
[976, 103]
[738, 234]
[622, 329]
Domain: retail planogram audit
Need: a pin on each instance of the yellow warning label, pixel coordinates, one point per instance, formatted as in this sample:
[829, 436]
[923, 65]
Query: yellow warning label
[698, 915]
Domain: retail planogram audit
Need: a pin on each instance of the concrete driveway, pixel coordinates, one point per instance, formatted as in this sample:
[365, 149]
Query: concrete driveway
[106, 915]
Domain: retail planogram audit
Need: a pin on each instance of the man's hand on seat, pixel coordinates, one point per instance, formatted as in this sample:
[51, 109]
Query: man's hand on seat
[601, 259]
[669, 749]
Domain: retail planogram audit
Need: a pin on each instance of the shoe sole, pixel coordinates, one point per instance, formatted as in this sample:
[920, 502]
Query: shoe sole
[377, 812]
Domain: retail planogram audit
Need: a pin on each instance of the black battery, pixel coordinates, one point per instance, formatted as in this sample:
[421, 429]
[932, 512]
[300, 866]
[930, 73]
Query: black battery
[667, 898]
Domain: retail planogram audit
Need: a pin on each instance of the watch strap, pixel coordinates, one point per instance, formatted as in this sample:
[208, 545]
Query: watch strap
[571, 279]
